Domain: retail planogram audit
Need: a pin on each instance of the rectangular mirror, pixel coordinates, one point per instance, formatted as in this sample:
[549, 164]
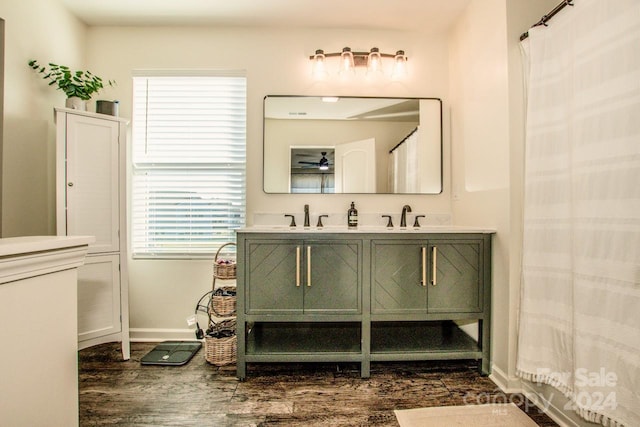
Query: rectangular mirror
[352, 145]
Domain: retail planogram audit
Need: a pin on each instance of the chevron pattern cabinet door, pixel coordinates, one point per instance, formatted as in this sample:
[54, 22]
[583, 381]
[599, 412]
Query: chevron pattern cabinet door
[335, 279]
[271, 278]
[457, 280]
[396, 278]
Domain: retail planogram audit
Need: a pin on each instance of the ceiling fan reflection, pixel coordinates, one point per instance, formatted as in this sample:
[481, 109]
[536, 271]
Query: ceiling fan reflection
[322, 164]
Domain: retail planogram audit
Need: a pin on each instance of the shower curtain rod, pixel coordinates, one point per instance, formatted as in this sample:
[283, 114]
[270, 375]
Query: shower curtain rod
[403, 140]
[547, 17]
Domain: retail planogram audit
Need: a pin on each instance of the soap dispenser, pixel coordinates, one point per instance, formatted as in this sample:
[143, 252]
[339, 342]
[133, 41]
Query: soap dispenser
[352, 216]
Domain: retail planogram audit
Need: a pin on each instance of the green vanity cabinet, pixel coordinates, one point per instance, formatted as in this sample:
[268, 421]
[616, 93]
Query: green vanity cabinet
[430, 276]
[456, 286]
[362, 296]
[397, 277]
[270, 269]
[300, 277]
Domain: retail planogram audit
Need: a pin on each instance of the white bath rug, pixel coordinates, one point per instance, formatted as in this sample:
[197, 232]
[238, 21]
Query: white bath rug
[498, 415]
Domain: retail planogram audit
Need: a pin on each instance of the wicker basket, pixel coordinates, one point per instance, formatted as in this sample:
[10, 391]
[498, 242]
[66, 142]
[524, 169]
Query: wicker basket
[221, 351]
[223, 305]
[228, 325]
[224, 271]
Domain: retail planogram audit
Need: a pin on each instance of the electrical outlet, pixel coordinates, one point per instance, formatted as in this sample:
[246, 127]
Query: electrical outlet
[191, 320]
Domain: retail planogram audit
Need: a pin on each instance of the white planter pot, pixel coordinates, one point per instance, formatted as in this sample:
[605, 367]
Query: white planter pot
[76, 103]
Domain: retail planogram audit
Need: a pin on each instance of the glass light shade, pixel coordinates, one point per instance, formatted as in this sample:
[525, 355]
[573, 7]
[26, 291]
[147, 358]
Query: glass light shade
[319, 69]
[323, 165]
[399, 66]
[346, 61]
[374, 61]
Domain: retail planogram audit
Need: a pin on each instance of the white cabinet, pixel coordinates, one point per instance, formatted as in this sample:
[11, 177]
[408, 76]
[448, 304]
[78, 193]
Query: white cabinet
[38, 361]
[99, 297]
[91, 200]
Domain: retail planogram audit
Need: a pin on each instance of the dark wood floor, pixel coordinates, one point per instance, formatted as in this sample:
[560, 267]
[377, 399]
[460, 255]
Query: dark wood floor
[117, 393]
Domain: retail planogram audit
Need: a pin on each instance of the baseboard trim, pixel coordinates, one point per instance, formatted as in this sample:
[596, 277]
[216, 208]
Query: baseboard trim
[504, 382]
[159, 335]
[516, 385]
[557, 414]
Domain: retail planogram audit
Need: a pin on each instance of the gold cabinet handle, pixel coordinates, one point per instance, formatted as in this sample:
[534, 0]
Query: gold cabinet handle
[308, 266]
[434, 265]
[298, 266]
[423, 251]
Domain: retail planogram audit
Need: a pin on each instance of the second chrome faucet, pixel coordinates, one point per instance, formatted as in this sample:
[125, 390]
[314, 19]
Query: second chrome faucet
[403, 216]
[307, 222]
[306, 215]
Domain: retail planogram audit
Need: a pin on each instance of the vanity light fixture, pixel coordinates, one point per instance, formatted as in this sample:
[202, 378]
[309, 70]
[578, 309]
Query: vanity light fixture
[349, 61]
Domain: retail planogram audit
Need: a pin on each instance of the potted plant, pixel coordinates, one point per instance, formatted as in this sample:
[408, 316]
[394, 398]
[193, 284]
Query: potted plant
[77, 85]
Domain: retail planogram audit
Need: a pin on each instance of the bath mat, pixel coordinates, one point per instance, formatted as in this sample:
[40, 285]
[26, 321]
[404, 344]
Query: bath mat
[171, 353]
[498, 415]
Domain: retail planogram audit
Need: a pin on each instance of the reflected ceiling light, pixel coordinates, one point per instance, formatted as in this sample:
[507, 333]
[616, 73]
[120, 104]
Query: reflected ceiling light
[323, 164]
[350, 60]
[330, 99]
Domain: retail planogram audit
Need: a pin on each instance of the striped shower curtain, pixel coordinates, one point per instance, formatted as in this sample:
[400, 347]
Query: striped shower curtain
[579, 325]
[404, 170]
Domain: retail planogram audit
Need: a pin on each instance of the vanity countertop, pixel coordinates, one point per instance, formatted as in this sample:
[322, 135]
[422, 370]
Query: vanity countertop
[16, 246]
[444, 229]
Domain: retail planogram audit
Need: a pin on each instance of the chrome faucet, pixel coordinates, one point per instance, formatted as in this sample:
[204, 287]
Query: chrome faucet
[319, 224]
[293, 219]
[403, 217]
[306, 215]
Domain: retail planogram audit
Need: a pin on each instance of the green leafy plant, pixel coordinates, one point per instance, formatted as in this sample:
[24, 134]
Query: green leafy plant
[82, 84]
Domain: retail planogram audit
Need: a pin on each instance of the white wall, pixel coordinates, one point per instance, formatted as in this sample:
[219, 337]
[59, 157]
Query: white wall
[487, 140]
[480, 143]
[164, 293]
[42, 30]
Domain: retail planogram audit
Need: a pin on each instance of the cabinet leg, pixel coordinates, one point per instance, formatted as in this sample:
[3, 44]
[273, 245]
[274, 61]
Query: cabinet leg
[241, 370]
[126, 348]
[484, 367]
[365, 369]
[483, 331]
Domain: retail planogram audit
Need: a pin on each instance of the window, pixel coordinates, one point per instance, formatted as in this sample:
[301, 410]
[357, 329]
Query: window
[188, 152]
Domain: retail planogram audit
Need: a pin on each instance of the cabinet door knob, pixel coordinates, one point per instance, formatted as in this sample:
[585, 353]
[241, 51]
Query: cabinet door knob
[70, 184]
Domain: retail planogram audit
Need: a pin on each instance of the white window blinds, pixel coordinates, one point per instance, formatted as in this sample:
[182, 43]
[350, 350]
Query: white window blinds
[188, 152]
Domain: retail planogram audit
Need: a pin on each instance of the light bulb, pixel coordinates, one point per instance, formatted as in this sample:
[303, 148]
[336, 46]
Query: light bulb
[346, 61]
[399, 66]
[374, 62]
[319, 69]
